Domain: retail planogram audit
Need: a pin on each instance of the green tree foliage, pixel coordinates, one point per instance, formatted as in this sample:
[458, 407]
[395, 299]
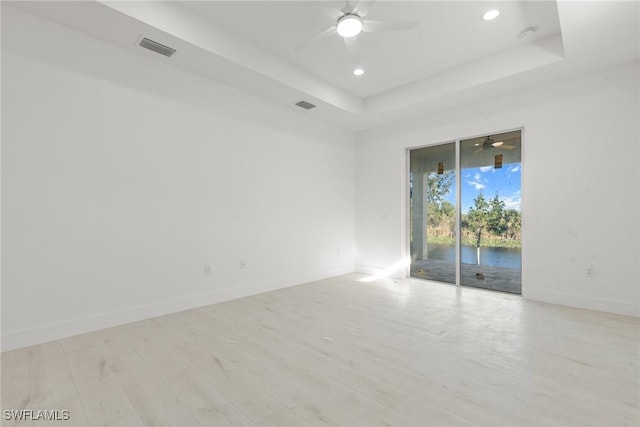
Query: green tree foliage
[496, 221]
[440, 213]
[438, 186]
[513, 221]
[492, 219]
[487, 223]
[441, 219]
[477, 219]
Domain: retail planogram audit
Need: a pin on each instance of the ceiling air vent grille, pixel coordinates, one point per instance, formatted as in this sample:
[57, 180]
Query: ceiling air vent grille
[157, 47]
[306, 105]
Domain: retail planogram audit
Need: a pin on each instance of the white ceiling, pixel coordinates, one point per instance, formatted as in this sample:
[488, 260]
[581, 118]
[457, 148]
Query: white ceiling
[449, 34]
[451, 58]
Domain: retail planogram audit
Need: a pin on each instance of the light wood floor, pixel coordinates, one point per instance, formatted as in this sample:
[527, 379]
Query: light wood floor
[343, 352]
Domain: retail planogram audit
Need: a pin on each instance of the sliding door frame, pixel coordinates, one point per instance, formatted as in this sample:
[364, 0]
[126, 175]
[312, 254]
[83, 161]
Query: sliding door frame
[458, 215]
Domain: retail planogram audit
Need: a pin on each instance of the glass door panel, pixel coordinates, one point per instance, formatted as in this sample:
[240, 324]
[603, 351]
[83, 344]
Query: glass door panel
[433, 212]
[491, 212]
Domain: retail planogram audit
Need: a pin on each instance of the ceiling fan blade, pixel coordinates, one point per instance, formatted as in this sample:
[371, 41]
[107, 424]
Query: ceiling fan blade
[348, 8]
[352, 47]
[370, 26]
[318, 37]
[477, 151]
[330, 11]
[363, 7]
[507, 147]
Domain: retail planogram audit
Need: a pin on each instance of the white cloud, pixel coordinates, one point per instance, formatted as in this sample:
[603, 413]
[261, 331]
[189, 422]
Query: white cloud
[478, 181]
[513, 201]
[485, 168]
[478, 186]
[514, 169]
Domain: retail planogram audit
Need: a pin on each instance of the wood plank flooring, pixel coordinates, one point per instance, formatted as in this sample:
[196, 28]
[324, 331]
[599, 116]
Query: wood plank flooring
[342, 352]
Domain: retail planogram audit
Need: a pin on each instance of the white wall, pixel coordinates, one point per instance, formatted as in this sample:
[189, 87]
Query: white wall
[124, 176]
[580, 184]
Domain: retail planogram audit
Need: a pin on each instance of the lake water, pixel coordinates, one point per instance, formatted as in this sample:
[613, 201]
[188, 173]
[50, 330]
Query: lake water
[497, 257]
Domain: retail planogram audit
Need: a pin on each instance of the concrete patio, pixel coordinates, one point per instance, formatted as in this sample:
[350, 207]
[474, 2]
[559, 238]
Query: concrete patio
[478, 276]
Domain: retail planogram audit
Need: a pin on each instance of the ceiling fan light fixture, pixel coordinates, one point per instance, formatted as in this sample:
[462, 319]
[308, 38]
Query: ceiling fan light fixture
[497, 143]
[358, 71]
[491, 14]
[349, 25]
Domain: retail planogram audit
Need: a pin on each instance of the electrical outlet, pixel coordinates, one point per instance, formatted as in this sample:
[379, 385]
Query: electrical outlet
[243, 264]
[591, 271]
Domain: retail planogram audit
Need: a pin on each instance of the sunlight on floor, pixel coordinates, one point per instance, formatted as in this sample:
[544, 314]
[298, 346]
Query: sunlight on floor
[388, 271]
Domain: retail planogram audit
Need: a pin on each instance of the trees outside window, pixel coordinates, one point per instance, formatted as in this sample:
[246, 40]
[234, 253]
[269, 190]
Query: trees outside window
[491, 224]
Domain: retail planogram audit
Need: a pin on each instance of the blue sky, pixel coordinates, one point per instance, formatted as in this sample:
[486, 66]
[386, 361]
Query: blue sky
[505, 181]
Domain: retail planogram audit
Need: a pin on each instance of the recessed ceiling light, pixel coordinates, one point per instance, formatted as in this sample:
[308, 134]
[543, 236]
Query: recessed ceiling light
[491, 14]
[349, 25]
[358, 71]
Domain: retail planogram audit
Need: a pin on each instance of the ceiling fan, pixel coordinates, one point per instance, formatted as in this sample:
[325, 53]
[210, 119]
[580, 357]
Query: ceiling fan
[491, 143]
[351, 22]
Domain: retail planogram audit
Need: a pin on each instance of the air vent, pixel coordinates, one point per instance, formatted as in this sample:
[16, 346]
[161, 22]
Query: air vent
[157, 47]
[306, 105]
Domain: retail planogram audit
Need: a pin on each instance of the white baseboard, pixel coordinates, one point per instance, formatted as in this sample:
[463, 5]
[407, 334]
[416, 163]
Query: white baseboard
[55, 331]
[571, 300]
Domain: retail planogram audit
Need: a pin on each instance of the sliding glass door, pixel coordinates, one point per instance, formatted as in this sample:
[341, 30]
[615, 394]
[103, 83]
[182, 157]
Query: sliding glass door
[433, 212]
[491, 212]
[474, 186]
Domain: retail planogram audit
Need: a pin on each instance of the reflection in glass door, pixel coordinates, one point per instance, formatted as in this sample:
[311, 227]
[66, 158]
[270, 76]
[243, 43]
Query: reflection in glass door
[491, 212]
[433, 212]
[477, 192]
